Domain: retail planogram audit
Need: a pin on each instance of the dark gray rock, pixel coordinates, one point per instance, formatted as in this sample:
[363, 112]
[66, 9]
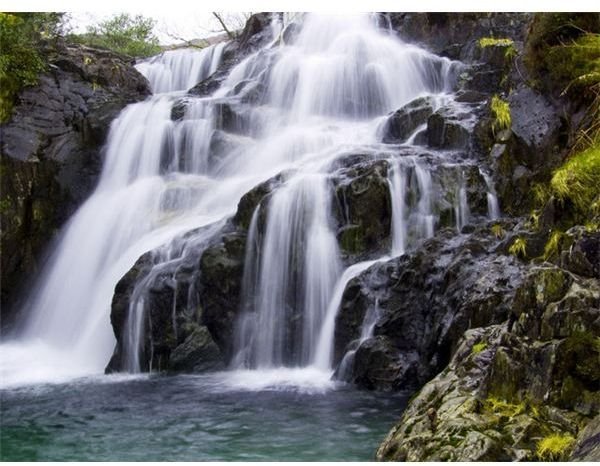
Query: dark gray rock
[51, 152]
[364, 207]
[426, 300]
[444, 132]
[402, 123]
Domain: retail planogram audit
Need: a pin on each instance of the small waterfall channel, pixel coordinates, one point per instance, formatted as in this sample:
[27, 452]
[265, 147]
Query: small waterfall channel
[322, 95]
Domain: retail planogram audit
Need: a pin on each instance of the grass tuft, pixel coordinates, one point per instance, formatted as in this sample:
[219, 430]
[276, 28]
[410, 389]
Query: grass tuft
[498, 231]
[479, 347]
[503, 408]
[578, 180]
[552, 247]
[501, 111]
[518, 248]
[555, 447]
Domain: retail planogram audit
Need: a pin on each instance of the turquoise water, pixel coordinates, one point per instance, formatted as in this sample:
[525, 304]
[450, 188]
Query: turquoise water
[193, 418]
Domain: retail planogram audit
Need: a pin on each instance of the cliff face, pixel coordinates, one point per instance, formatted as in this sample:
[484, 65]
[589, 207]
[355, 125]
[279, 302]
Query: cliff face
[51, 153]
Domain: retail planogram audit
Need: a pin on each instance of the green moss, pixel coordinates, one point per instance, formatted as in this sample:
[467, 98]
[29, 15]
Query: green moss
[352, 239]
[578, 181]
[479, 347]
[503, 408]
[555, 447]
[518, 248]
[501, 112]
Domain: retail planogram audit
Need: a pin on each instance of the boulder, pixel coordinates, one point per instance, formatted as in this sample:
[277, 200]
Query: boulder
[403, 122]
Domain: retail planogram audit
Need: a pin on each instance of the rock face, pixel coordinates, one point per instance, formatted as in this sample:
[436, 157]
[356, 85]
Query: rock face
[510, 386]
[188, 305]
[454, 34]
[423, 308]
[51, 151]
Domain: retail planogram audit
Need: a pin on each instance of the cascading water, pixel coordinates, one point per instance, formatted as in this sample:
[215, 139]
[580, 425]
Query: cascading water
[141, 202]
[323, 96]
[178, 70]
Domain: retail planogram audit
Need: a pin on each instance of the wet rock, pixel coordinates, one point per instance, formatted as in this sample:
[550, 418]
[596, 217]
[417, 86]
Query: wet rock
[250, 201]
[51, 152]
[514, 383]
[402, 123]
[583, 256]
[446, 133]
[256, 33]
[230, 118]
[198, 353]
[363, 194]
[219, 286]
[535, 121]
[455, 34]
[424, 304]
[588, 443]
[378, 365]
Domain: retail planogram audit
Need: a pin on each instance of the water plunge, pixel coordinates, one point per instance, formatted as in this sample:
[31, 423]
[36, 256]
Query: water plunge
[288, 108]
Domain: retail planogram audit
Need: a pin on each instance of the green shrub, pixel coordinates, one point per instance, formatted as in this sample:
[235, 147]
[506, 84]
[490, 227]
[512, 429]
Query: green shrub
[21, 61]
[124, 34]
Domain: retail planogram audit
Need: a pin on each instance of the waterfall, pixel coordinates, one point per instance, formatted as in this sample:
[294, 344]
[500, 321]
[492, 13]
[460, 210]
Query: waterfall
[178, 70]
[312, 101]
[299, 267]
[141, 202]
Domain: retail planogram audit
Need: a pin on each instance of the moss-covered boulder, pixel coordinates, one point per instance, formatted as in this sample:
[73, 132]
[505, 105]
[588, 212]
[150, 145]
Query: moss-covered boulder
[513, 392]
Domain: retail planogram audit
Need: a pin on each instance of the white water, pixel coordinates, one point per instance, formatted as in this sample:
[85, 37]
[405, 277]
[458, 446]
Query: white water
[325, 96]
[178, 70]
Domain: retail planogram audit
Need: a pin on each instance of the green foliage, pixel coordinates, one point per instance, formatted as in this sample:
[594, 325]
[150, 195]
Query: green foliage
[518, 248]
[124, 34]
[578, 181]
[21, 61]
[501, 111]
[498, 231]
[555, 447]
[494, 42]
[552, 247]
[479, 347]
[562, 50]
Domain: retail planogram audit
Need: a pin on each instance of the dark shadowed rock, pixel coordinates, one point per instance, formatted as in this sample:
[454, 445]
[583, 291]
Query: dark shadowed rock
[402, 123]
[51, 156]
[424, 304]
